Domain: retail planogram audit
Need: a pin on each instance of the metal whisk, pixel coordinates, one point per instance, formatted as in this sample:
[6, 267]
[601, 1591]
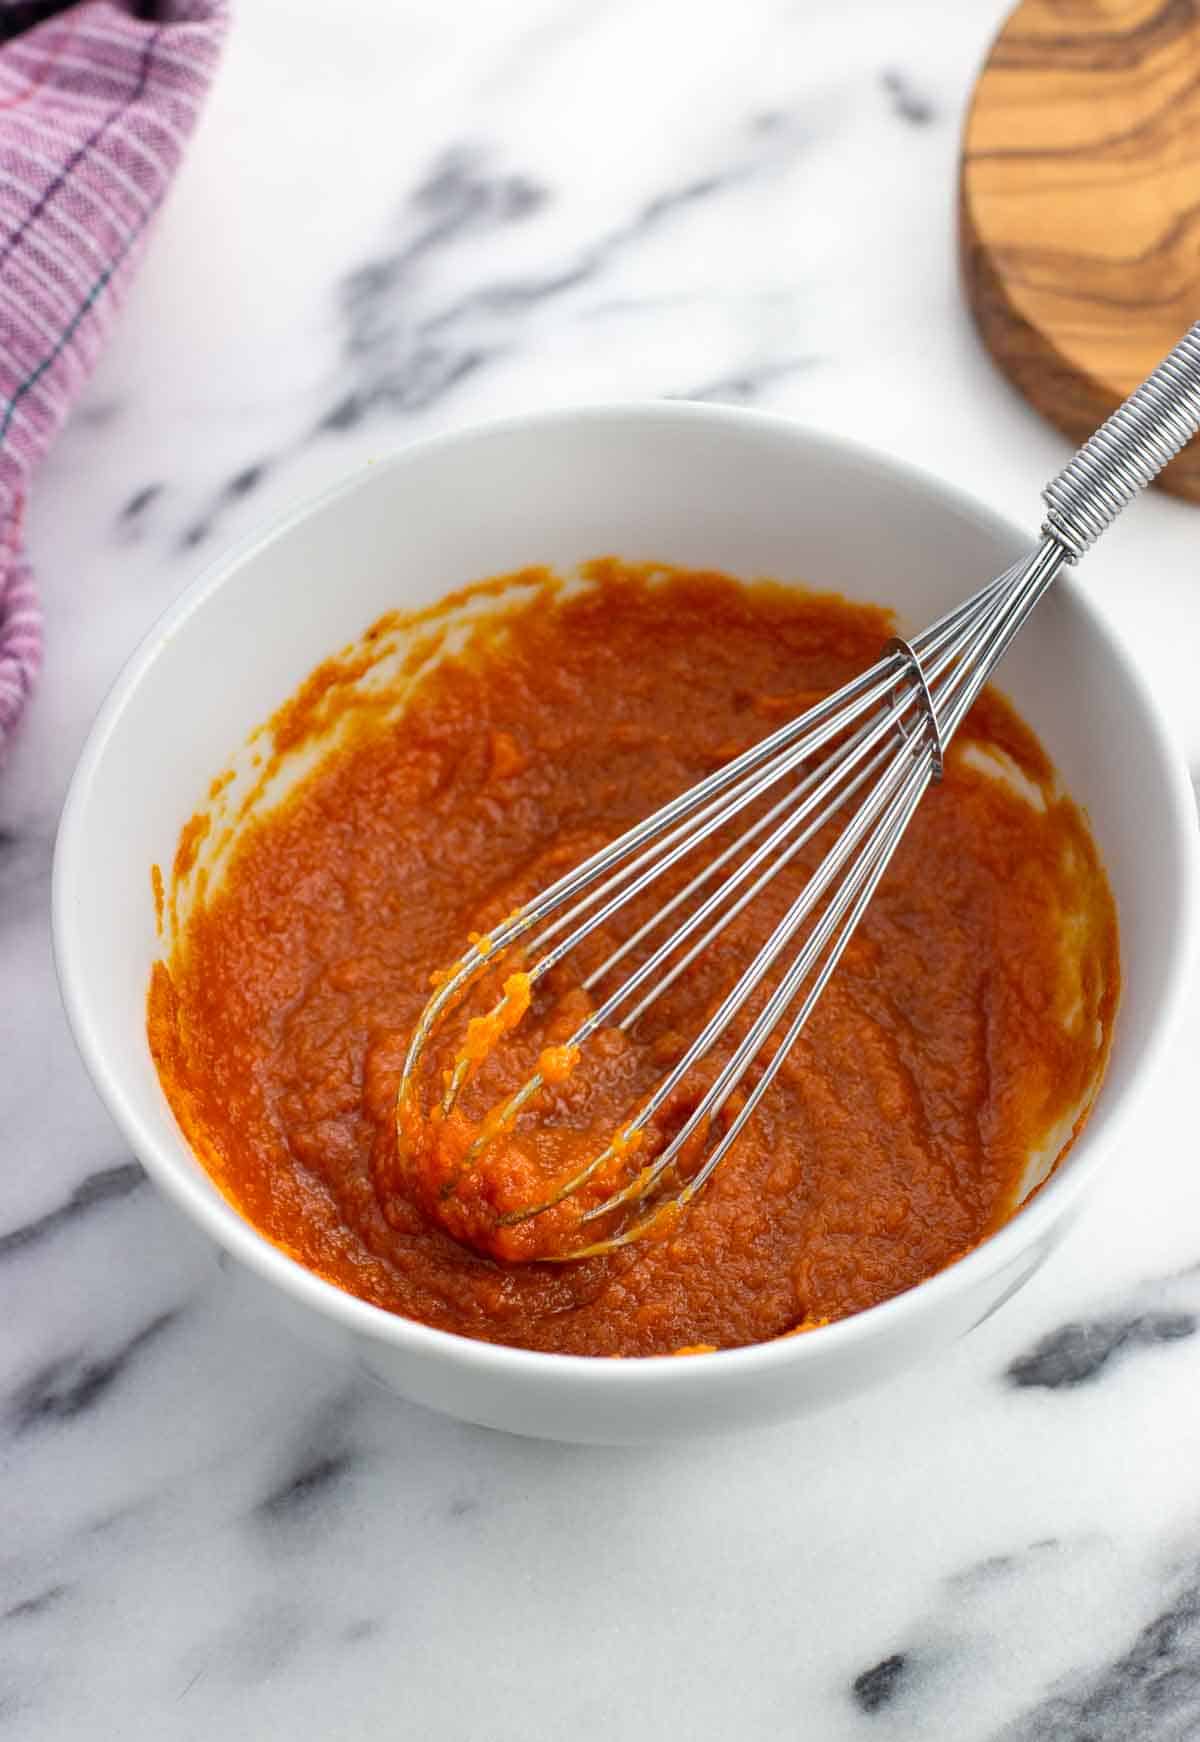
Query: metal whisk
[885, 735]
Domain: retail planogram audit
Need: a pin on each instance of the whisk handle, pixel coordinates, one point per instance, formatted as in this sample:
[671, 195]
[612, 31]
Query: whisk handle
[1127, 452]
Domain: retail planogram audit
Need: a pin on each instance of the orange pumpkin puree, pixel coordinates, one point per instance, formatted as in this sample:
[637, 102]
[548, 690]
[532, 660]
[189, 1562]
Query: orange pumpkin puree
[965, 1029]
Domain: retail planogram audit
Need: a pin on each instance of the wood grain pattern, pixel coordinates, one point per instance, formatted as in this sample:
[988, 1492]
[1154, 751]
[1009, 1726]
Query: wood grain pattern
[1080, 203]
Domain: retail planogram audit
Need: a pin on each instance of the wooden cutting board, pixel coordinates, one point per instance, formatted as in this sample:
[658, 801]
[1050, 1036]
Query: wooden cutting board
[1080, 203]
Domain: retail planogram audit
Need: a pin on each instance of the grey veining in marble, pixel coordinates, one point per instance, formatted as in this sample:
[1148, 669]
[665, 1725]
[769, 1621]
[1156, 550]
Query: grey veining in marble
[394, 222]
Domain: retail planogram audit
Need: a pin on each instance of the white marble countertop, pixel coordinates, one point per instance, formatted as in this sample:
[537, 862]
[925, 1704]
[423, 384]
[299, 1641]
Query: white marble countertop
[420, 217]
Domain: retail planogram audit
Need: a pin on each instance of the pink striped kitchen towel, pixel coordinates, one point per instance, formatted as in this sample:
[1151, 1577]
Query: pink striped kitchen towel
[96, 104]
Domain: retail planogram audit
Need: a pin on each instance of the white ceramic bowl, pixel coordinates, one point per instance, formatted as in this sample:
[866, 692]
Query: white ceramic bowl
[687, 484]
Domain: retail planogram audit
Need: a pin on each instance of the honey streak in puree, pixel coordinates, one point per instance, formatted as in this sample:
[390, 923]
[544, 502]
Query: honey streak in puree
[965, 1029]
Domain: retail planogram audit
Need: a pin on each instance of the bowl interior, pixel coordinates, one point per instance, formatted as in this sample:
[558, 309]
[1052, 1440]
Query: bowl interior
[686, 485]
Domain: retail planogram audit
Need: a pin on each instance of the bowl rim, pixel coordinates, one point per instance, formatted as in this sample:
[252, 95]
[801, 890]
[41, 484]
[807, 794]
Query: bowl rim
[236, 1235]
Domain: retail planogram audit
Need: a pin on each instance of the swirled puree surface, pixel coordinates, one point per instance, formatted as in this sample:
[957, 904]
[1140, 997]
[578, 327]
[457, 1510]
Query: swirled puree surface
[426, 782]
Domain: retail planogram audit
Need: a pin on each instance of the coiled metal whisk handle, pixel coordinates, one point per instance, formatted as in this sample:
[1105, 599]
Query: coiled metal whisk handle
[1127, 452]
